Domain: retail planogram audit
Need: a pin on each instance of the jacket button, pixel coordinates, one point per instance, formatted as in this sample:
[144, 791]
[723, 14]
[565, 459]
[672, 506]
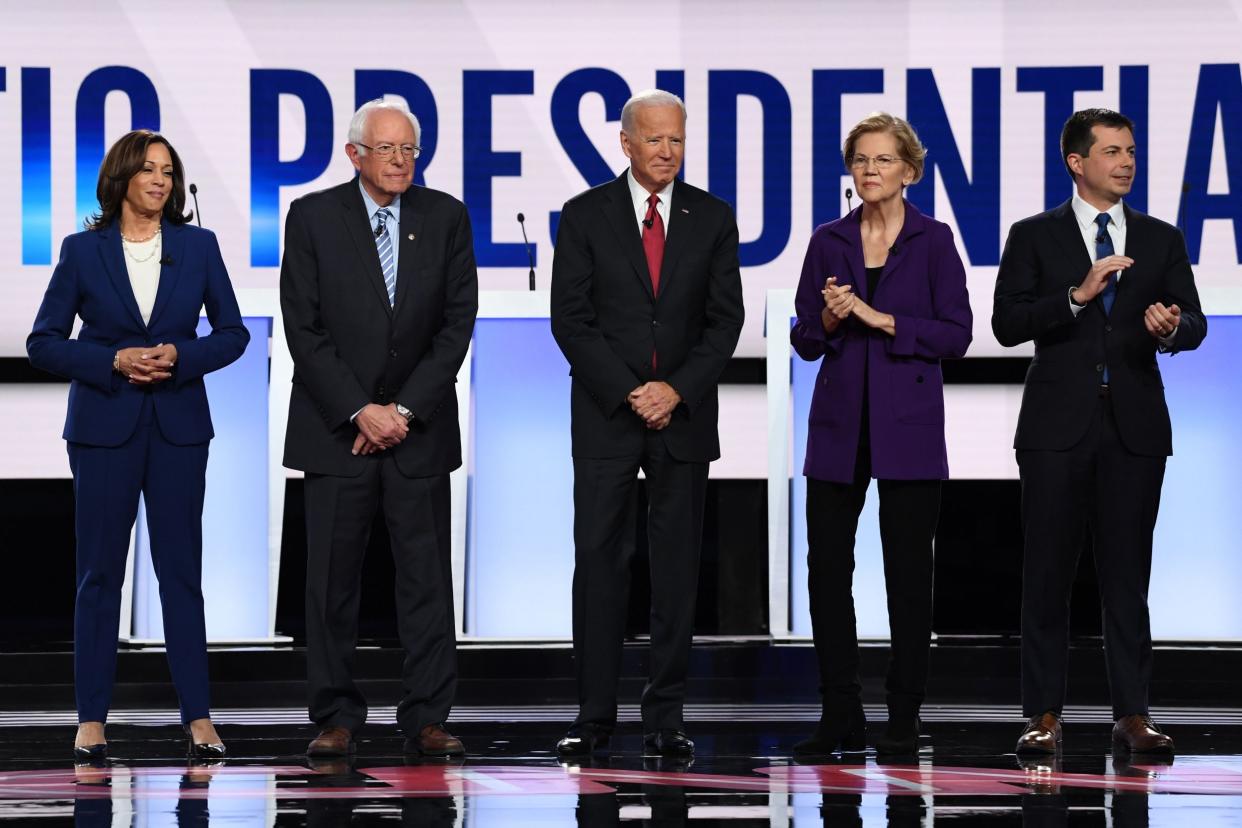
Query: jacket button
[919, 378]
[1099, 368]
[655, 323]
[1108, 329]
[393, 352]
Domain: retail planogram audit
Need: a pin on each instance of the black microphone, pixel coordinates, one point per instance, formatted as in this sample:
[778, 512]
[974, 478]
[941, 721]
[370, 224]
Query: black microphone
[194, 195]
[648, 223]
[166, 260]
[529, 256]
[849, 199]
[1181, 206]
[892, 251]
[380, 227]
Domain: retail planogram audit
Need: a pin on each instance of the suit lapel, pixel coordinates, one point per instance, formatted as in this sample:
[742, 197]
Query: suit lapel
[914, 224]
[681, 221]
[170, 269]
[354, 214]
[113, 256]
[408, 238]
[1140, 247]
[1069, 236]
[620, 210]
[849, 233]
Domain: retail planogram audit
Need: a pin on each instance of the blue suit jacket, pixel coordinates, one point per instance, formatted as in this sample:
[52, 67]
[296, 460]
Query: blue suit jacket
[91, 281]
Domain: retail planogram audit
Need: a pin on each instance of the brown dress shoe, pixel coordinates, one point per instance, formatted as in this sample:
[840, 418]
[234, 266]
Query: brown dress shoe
[331, 741]
[434, 740]
[1139, 734]
[1042, 735]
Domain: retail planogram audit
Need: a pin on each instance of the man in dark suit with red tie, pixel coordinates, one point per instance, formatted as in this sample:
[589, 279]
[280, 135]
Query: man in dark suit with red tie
[379, 294]
[1093, 431]
[647, 308]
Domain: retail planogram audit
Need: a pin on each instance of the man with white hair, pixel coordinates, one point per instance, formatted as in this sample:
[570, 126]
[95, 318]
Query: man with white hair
[647, 308]
[379, 293]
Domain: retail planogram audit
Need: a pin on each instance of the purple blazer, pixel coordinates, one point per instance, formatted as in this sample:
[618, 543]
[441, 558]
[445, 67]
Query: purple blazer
[923, 285]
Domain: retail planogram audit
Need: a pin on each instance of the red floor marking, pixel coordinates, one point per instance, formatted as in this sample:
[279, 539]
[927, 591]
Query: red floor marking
[295, 782]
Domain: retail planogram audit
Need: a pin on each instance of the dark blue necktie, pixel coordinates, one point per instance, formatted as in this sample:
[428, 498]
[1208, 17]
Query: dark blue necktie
[1104, 247]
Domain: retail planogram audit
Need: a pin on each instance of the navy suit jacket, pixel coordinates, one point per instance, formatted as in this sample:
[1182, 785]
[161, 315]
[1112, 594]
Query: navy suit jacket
[1045, 257]
[91, 281]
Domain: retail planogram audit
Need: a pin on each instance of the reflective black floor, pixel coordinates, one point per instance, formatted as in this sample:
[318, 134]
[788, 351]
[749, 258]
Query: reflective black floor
[743, 775]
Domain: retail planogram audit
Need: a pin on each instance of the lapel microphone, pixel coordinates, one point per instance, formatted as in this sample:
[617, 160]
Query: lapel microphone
[380, 226]
[167, 260]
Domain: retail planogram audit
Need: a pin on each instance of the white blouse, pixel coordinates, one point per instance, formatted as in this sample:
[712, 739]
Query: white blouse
[142, 260]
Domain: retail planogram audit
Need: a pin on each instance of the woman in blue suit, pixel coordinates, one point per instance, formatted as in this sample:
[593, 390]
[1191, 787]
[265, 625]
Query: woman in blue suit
[138, 421]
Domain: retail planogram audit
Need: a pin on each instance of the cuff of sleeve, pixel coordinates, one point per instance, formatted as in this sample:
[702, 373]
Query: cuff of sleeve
[902, 342]
[1074, 307]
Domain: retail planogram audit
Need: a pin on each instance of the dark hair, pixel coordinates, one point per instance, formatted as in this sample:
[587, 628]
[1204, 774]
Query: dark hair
[124, 160]
[1076, 135]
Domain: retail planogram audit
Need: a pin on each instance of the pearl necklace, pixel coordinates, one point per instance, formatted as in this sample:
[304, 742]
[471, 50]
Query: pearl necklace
[155, 248]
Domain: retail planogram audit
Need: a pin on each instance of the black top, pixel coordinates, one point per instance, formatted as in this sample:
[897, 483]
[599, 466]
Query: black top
[873, 279]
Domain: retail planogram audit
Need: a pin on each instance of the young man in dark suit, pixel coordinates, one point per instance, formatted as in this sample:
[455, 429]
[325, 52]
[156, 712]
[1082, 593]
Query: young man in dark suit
[379, 294]
[1093, 431]
[647, 308]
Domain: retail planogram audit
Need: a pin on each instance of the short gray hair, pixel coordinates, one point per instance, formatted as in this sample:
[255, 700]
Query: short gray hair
[646, 98]
[358, 123]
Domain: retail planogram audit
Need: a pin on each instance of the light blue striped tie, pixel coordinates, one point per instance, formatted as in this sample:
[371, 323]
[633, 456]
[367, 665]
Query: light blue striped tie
[383, 243]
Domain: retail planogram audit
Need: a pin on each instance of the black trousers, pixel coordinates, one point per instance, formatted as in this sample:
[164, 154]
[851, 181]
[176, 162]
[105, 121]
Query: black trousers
[339, 514]
[909, 512]
[1100, 486]
[603, 490]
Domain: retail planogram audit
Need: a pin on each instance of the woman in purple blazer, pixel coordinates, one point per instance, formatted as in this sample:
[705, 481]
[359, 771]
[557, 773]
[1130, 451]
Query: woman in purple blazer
[882, 300]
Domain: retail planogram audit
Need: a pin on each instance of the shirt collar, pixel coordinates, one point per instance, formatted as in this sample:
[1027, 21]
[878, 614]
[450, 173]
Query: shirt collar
[373, 208]
[639, 194]
[1086, 214]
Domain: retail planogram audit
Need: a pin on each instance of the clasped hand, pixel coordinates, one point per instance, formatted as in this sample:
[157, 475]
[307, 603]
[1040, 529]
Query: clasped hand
[379, 427]
[840, 303]
[147, 366]
[654, 402]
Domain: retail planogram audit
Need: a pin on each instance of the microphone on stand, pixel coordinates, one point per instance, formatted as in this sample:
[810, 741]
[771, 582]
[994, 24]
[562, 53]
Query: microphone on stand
[849, 199]
[1181, 206]
[529, 256]
[194, 195]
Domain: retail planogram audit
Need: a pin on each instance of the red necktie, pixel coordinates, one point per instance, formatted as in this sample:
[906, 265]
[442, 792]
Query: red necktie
[653, 242]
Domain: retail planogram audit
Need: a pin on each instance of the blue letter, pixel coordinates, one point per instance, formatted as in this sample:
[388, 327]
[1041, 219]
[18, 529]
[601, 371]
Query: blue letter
[1058, 83]
[1134, 106]
[267, 172]
[370, 84]
[144, 105]
[827, 167]
[481, 164]
[582, 153]
[724, 87]
[975, 200]
[37, 166]
[1220, 86]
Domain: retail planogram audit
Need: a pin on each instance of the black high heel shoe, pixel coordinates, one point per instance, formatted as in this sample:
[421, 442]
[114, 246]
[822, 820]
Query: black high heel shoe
[206, 751]
[90, 754]
[901, 737]
[844, 731]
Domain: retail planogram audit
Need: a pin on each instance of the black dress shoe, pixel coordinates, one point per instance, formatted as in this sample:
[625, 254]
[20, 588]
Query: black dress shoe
[90, 754]
[844, 731]
[667, 742]
[901, 737]
[583, 740]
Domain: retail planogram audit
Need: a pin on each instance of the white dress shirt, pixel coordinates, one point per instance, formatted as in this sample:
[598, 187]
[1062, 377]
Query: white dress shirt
[142, 262]
[639, 195]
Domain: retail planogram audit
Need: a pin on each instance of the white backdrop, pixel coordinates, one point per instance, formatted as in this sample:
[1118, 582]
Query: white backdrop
[203, 61]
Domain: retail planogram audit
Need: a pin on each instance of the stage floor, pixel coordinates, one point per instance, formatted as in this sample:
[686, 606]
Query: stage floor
[743, 775]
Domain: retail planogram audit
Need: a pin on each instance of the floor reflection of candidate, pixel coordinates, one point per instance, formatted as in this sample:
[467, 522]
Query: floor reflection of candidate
[881, 301]
[138, 421]
[647, 308]
[379, 294]
[1100, 288]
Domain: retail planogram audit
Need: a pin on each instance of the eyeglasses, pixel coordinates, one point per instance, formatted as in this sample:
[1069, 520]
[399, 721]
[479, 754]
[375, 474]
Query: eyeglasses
[882, 162]
[385, 151]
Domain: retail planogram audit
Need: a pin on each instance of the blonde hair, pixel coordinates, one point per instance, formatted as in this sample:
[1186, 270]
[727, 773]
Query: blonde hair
[909, 147]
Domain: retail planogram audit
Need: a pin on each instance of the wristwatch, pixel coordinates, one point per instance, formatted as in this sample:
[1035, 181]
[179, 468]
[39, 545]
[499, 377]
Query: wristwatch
[405, 412]
[116, 363]
[1071, 298]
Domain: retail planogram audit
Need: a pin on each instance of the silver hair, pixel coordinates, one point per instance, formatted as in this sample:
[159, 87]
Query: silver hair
[648, 97]
[358, 123]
